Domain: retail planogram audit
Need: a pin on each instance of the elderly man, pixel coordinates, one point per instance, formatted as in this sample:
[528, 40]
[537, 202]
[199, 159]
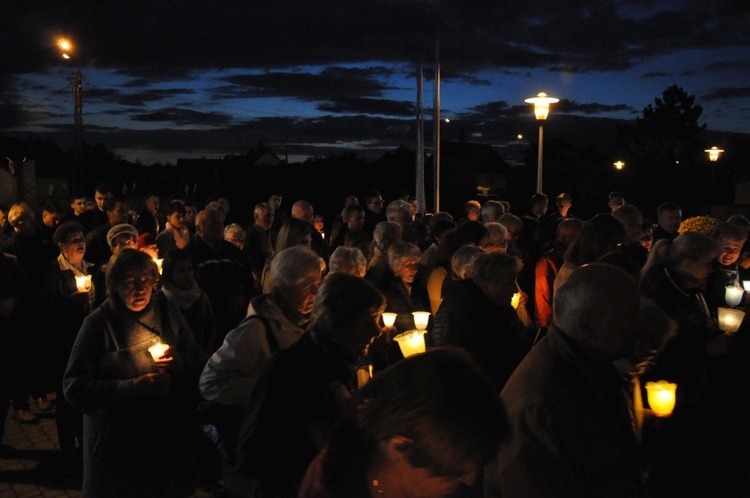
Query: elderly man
[573, 434]
[303, 210]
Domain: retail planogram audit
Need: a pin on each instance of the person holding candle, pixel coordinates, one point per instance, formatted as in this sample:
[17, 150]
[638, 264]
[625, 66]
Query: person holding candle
[728, 239]
[572, 428]
[476, 314]
[139, 423]
[416, 431]
[697, 359]
[69, 303]
[313, 378]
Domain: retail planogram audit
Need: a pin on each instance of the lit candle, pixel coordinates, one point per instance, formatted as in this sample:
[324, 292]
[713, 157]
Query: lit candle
[661, 397]
[157, 350]
[746, 284]
[421, 319]
[730, 319]
[515, 300]
[159, 262]
[733, 295]
[389, 319]
[83, 283]
[411, 342]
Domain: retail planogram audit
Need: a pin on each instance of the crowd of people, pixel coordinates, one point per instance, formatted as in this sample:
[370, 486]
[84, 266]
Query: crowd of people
[193, 356]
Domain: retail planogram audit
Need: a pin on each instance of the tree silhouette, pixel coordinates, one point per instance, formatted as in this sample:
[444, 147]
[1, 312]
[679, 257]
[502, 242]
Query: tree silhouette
[665, 149]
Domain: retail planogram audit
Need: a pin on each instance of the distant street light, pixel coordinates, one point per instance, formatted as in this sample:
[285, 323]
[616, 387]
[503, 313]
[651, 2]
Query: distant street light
[541, 110]
[713, 156]
[77, 173]
[619, 165]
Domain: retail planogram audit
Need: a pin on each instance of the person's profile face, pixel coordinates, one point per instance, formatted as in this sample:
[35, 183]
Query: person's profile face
[177, 220]
[406, 269]
[100, 197]
[302, 297]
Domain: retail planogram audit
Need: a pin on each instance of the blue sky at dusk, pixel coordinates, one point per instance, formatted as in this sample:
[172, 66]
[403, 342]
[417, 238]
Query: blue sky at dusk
[199, 79]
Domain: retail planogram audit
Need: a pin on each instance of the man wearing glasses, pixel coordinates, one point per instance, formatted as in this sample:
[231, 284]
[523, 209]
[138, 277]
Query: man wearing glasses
[373, 211]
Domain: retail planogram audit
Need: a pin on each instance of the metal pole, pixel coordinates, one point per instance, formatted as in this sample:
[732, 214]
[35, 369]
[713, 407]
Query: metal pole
[539, 163]
[436, 124]
[77, 183]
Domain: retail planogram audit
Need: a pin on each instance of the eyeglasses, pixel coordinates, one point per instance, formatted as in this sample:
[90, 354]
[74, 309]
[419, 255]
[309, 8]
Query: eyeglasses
[124, 243]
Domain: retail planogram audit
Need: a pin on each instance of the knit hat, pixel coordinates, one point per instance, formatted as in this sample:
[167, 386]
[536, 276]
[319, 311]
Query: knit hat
[122, 228]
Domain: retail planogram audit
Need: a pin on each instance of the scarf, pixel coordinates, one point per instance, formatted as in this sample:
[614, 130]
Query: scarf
[181, 236]
[183, 298]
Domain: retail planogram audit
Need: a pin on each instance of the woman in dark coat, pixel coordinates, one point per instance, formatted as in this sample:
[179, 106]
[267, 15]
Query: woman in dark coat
[138, 408]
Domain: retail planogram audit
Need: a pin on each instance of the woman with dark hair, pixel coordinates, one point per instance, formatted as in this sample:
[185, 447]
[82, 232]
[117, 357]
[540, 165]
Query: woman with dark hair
[68, 304]
[417, 431]
[599, 235]
[294, 232]
[138, 406]
[178, 284]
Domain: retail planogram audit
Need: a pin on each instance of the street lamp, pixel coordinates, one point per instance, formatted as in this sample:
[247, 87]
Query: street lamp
[619, 165]
[713, 156]
[77, 174]
[541, 110]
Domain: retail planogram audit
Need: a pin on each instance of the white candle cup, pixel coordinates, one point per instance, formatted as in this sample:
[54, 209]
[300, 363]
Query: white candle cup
[157, 350]
[411, 342]
[730, 319]
[83, 283]
[158, 262]
[421, 319]
[515, 300]
[661, 397]
[746, 285]
[733, 295]
[389, 319]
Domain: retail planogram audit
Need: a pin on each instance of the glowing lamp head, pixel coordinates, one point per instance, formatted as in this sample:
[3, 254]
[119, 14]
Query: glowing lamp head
[713, 153]
[389, 319]
[541, 105]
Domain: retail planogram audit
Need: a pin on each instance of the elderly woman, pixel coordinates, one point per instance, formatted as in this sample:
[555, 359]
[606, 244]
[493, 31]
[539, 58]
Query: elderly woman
[138, 426]
[274, 321]
[348, 260]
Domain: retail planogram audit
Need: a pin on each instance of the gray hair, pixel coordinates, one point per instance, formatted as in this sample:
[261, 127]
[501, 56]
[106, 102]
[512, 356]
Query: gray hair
[386, 233]
[292, 265]
[402, 250]
[348, 260]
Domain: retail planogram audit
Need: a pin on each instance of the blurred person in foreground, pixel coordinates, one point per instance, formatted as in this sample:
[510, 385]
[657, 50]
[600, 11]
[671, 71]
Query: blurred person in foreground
[416, 431]
[571, 425]
[139, 421]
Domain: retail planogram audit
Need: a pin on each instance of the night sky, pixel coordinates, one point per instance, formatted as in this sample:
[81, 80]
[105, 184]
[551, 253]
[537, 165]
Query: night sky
[173, 79]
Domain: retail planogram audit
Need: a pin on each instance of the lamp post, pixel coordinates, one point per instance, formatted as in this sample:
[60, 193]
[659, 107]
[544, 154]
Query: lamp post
[77, 173]
[713, 156]
[541, 110]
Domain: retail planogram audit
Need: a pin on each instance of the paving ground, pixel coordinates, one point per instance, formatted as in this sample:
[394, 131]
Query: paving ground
[31, 464]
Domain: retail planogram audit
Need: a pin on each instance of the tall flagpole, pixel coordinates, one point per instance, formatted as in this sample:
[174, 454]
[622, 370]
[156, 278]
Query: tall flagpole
[420, 193]
[436, 125]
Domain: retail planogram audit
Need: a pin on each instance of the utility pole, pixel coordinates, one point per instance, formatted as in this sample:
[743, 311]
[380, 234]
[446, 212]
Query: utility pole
[78, 175]
[436, 127]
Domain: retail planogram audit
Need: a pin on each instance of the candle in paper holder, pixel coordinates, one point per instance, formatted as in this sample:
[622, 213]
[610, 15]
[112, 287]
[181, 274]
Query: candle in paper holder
[746, 285]
[158, 262]
[411, 342]
[730, 319]
[389, 319]
[157, 350]
[421, 319]
[661, 397]
[515, 300]
[83, 283]
[733, 295]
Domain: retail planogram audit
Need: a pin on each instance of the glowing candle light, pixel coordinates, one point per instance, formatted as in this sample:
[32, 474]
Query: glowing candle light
[746, 284]
[389, 319]
[733, 295]
[730, 319]
[515, 300]
[411, 342]
[421, 319]
[661, 397]
[157, 350]
[83, 283]
[159, 262]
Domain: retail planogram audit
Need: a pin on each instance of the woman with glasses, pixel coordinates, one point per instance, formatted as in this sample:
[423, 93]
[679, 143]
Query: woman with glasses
[139, 423]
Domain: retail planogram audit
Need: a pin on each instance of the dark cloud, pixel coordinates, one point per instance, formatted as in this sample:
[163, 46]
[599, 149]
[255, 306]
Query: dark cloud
[179, 116]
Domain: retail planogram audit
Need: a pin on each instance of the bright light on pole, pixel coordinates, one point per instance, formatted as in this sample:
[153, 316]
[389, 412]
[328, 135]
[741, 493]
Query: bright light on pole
[619, 165]
[713, 153]
[541, 111]
[713, 156]
[77, 174]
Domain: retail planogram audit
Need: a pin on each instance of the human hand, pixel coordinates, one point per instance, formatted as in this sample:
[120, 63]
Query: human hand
[720, 344]
[152, 384]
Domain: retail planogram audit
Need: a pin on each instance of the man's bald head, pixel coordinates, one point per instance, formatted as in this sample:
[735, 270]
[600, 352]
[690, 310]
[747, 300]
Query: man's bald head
[597, 307]
[303, 210]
